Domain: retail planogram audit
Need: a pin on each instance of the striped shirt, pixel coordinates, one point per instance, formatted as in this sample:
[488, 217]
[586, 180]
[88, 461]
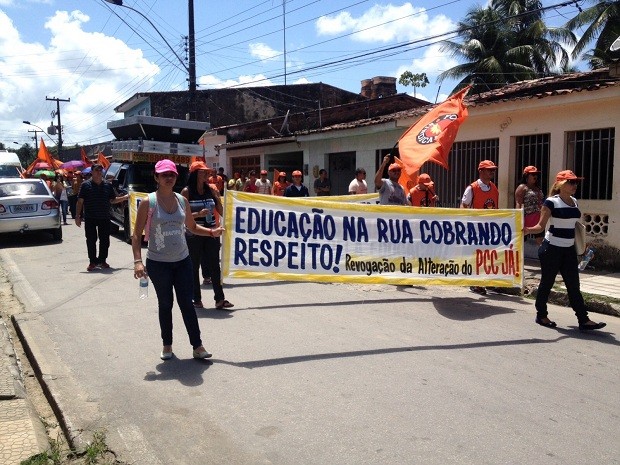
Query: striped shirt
[561, 231]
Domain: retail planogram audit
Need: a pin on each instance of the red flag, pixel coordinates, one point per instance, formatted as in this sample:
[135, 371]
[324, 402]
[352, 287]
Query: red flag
[28, 171]
[103, 161]
[85, 159]
[431, 137]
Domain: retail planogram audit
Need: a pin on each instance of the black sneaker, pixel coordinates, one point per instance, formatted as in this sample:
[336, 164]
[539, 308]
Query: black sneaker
[478, 290]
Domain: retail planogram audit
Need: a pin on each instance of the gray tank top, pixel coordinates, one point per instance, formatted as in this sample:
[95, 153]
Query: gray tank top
[167, 235]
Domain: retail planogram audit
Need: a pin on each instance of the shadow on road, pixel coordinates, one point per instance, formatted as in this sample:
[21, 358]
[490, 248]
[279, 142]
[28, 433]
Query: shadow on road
[391, 350]
[189, 372]
[467, 309]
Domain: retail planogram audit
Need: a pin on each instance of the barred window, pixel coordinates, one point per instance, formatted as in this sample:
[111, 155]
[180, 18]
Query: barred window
[463, 161]
[590, 154]
[533, 150]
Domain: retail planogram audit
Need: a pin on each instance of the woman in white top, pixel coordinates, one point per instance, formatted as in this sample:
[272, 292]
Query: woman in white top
[557, 252]
[167, 260]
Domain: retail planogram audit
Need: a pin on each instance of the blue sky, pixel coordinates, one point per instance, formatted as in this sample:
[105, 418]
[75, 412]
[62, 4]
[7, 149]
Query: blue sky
[99, 55]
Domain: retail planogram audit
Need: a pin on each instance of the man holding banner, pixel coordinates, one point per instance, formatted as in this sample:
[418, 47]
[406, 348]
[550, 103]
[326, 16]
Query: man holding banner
[482, 194]
[390, 191]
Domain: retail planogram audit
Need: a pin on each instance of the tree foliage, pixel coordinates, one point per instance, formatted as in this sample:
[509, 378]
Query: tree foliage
[507, 41]
[415, 80]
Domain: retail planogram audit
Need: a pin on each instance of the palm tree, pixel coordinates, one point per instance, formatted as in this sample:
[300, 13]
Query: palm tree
[505, 42]
[602, 25]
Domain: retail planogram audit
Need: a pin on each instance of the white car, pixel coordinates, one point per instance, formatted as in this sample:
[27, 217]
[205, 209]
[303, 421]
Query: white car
[28, 205]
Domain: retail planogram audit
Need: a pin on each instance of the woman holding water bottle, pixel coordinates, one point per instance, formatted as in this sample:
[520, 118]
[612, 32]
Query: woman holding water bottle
[205, 204]
[557, 251]
[165, 215]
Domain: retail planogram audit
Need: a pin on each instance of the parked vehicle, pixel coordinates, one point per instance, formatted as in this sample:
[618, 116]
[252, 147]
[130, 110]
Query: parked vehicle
[134, 177]
[28, 205]
[10, 165]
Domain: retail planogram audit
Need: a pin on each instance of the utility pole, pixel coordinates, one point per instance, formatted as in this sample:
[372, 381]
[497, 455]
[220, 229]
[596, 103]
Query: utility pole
[192, 60]
[58, 100]
[36, 139]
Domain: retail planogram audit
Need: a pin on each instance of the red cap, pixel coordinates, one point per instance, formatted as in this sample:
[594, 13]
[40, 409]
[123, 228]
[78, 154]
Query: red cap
[487, 165]
[566, 175]
[425, 179]
[530, 170]
[198, 165]
[282, 173]
[263, 171]
[394, 167]
[297, 173]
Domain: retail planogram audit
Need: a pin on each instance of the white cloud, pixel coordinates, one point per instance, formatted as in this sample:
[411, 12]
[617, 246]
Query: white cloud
[264, 52]
[95, 71]
[213, 82]
[385, 23]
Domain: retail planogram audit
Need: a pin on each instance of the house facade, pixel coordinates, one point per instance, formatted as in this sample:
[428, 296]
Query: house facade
[554, 123]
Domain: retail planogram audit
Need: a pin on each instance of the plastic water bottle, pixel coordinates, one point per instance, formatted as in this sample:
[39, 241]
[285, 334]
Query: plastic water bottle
[586, 258]
[143, 290]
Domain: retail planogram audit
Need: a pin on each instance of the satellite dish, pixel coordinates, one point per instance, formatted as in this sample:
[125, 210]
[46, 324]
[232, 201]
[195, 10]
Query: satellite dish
[616, 45]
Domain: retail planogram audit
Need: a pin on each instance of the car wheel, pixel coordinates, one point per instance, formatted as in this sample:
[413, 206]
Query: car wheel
[126, 229]
[57, 233]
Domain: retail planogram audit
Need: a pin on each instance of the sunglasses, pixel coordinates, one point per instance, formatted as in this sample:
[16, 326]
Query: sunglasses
[168, 174]
[573, 182]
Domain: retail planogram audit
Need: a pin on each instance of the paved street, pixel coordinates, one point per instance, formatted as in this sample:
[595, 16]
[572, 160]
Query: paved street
[316, 373]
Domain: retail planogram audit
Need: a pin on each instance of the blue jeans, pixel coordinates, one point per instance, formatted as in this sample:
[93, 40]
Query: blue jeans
[64, 205]
[177, 276]
[554, 259]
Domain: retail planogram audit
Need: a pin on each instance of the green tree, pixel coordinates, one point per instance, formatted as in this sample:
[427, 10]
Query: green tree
[26, 154]
[505, 42]
[602, 27]
[415, 80]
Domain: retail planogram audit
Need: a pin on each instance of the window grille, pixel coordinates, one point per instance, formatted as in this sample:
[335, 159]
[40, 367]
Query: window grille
[590, 154]
[463, 161]
[533, 150]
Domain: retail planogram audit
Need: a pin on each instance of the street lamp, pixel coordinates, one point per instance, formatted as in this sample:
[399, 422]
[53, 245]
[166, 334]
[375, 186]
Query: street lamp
[191, 69]
[36, 139]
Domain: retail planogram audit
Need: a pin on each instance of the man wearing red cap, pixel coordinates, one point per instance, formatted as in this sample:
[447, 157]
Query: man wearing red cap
[263, 185]
[390, 192]
[297, 189]
[422, 194]
[482, 194]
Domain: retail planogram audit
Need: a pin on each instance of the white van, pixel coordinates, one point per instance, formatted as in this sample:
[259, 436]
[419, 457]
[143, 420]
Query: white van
[10, 166]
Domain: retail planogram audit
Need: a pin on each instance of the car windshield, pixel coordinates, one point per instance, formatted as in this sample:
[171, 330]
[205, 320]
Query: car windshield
[141, 178]
[22, 188]
[7, 171]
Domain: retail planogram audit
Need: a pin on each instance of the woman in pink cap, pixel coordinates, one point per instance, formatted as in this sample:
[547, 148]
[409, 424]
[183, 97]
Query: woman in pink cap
[557, 251]
[168, 262]
[529, 196]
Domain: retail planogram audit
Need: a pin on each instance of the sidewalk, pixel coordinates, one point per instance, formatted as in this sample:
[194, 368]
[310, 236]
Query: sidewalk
[21, 432]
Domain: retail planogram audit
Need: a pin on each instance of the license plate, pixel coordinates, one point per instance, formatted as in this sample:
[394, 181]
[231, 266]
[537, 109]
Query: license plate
[24, 208]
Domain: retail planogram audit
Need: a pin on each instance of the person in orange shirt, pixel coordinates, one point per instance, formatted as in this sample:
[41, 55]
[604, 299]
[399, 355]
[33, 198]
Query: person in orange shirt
[423, 194]
[217, 181]
[280, 185]
[482, 193]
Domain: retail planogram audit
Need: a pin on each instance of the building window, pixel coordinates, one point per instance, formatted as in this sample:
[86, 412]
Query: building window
[533, 150]
[591, 154]
[463, 161]
[244, 165]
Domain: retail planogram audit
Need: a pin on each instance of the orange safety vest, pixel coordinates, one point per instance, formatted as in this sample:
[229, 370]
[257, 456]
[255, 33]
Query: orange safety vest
[420, 198]
[482, 199]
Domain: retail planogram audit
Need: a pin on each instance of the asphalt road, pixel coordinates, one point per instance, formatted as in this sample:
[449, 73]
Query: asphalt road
[316, 373]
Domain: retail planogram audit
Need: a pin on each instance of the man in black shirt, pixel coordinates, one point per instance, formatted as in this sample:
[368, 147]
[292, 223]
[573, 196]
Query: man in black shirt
[93, 206]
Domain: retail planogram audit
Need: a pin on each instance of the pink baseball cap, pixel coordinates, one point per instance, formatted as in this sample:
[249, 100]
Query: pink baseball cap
[163, 166]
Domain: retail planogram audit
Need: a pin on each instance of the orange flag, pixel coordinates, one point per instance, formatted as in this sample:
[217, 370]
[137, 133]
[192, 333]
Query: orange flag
[431, 137]
[44, 154]
[28, 171]
[85, 159]
[103, 161]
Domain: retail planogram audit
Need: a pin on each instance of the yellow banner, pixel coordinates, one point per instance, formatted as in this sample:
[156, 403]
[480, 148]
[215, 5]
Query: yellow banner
[320, 240]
